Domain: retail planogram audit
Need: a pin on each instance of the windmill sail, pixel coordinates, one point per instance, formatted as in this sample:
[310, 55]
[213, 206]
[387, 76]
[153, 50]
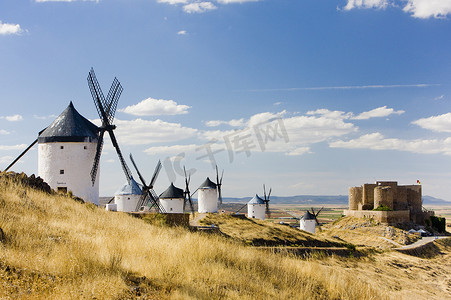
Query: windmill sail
[106, 108]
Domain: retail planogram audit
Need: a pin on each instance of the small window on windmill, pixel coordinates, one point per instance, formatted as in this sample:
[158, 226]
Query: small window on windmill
[171, 209]
[61, 147]
[85, 147]
[61, 171]
[128, 198]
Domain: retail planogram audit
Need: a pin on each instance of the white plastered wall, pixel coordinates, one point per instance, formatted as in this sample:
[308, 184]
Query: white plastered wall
[207, 201]
[307, 225]
[256, 211]
[172, 206]
[75, 159]
[126, 203]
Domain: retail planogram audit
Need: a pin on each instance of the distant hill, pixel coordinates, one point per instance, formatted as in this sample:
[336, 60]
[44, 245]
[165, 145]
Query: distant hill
[429, 200]
[309, 199]
[299, 199]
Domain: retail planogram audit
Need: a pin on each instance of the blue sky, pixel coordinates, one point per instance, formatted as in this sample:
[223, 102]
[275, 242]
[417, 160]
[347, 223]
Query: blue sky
[309, 97]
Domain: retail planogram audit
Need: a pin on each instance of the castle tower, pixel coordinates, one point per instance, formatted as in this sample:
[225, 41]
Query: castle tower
[256, 208]
[172, 200]
[66, 151]
[208, 197]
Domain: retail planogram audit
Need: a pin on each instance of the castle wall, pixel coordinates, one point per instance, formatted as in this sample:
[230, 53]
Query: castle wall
[414, 200]
[383, 195]
[355, 197]
[401, 203]
[368, 197]
[387, 217]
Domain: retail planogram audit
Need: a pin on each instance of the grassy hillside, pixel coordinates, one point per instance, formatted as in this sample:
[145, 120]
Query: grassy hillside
[266, 233]
[56, 248]
[367, 232]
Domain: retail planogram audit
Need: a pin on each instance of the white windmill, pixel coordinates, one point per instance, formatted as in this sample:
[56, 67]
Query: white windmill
[309, 221]
[127, 197]
[66, 150]
[209, 193]
[257, 207]
[172, 200]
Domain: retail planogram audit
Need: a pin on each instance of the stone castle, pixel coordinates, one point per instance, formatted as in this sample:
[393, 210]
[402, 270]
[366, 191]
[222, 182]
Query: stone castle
[400, 203]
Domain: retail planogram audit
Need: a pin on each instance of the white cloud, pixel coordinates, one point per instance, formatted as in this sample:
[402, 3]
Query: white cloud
[366, 4]
[173, 2]
[4, 132]
[143, 132]
[441, 123]
[236, 1]
[13, 147]
[289, 135]
[182, 32]
[8, 29]
[348, 87]
[171, 150]
[13, 118]
[156, 107]
[424, 9]
[198, 7]
[44, 117]
[66, 0]
[421, 9]
[441, 97]
[6, 159]
[233, 123]
[376, 141]
[377, 113]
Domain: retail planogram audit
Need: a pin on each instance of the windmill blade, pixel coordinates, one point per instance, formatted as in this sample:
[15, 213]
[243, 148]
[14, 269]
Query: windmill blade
[194, 192]
[137, 171]
[125, 168]
[264, 191]
[20, 156]
[112, 99]
[96, 162]
[142, 200]
[269, 194]
[319, 211]
[267, 211]
[241, 208]
[155, 174]
[219, 184]
[187, 192]
[97, 95]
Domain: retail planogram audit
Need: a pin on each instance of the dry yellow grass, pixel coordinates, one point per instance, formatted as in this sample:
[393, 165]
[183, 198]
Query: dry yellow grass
[56, 248]
[367, 232]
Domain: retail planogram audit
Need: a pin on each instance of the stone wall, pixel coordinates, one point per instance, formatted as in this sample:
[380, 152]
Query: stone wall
[388, 217]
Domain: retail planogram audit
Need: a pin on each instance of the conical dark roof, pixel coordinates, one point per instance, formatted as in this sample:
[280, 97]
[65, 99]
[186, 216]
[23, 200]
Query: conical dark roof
[70, 126]
[172, 192]
[208, 184]
[308, 216]
[256, 200]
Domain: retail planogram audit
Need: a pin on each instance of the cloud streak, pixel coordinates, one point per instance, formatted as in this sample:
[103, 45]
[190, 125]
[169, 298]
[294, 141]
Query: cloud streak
[348, 87]
[376, 141]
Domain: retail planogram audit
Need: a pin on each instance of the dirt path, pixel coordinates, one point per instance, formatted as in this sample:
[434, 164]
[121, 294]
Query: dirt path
[423, 241]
